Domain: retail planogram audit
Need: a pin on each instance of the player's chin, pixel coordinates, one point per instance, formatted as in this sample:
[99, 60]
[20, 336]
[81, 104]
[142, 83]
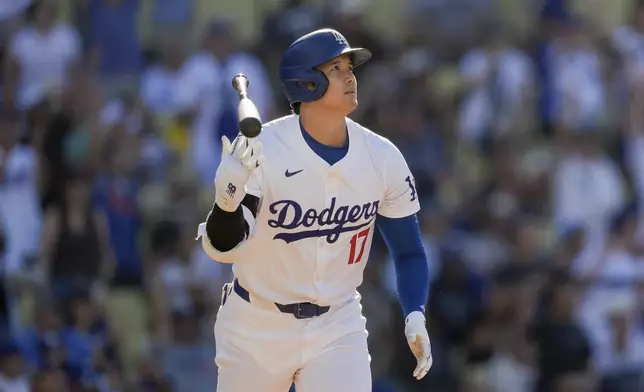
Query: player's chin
[351, 101]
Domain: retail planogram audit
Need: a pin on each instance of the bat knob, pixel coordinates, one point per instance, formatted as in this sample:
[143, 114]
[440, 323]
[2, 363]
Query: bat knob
[250, 127]
[240, 83]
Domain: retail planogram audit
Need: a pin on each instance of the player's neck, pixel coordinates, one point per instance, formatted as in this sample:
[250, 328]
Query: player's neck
[326, 127]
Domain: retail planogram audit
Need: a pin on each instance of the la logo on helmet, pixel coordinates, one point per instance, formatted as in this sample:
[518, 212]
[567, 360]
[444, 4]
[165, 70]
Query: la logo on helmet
[339, 38]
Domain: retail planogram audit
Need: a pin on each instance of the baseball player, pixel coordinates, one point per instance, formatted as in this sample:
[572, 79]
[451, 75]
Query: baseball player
[295, 211]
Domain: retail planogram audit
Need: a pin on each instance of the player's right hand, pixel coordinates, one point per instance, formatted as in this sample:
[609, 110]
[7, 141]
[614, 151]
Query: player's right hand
[238, 160]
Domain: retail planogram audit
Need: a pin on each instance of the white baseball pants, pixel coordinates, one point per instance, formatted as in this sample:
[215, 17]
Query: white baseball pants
[260, 349]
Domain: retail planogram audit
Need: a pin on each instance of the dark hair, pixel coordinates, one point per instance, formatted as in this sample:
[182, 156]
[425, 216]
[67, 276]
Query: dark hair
[295, 107]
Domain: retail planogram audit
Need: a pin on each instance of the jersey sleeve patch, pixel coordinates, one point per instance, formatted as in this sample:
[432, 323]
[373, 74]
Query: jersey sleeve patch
[401, 197]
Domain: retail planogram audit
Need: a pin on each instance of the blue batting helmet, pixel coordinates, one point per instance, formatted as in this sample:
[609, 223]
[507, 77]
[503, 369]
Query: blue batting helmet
[309, 51]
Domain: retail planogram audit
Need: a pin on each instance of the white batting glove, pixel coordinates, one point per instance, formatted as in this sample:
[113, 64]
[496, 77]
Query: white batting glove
[418, 340]
[238, 160]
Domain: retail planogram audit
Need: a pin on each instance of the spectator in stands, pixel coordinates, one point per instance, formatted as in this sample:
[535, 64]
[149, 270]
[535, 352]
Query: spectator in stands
[171, 280]
[233, 56]
[90, 346]
[20, 214]
[455, 284]
[199, 94]
[290, 20]
[620, 354]
[563, 347]
[185, 347]
[46, 332]
[150, 377]
[173, 18]
[116, 192]
[579, 78]
[499, 89]
[204, 96]
[628, 40]
[42, 55]
[12, 375]
[111, 37]
[349, 16]
[159, 78]
[512, 367]
[76, 251]
[51, 380]
[588, 187]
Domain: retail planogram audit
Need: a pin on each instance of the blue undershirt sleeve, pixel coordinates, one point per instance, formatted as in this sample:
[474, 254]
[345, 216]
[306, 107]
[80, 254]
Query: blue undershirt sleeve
[404, 242]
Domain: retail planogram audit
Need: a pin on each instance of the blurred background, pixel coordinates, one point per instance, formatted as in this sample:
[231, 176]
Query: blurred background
[522, 121]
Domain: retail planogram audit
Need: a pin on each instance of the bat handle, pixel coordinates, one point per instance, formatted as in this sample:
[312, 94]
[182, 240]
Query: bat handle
[240, 84]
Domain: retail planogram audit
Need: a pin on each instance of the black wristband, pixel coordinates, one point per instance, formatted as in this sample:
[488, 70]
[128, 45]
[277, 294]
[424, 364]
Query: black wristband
[226, 230]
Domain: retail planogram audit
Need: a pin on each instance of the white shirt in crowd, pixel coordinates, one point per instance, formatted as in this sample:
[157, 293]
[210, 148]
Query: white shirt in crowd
[44, 59]
[198, 89]
[20, 214]
[176, 279]
[158, 89]
[259, 88]
[608, 356]
[579, 88]
[635, 163]
[211, 276]
[12, 8]
[507, 374]
[587, 191]
[630, 44]
[516, 76]
[608, 359]
[20, 384]
[615, 276]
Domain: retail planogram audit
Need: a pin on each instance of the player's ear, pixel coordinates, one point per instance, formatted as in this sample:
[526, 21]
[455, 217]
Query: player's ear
[309, 86]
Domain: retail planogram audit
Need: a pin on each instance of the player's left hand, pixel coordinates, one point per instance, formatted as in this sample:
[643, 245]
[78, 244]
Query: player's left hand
[418, 340]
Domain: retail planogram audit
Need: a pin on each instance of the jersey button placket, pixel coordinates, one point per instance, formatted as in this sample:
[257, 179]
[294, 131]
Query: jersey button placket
[330, 192]
[321, 243]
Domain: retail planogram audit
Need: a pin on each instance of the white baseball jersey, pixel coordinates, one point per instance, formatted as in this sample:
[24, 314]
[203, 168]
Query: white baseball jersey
[312, 235]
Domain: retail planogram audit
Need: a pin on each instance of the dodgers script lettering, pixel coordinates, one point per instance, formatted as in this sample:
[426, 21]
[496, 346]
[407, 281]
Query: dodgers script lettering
[330, 222]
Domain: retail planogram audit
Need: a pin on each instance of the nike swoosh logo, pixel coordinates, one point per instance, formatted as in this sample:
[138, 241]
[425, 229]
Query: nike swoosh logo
[291, 174]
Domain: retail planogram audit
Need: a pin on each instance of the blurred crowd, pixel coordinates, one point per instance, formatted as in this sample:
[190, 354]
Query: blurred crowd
[523, 123]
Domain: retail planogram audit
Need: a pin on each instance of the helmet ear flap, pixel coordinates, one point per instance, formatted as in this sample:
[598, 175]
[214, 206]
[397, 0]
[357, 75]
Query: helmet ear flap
[321, 83]
[312, 85]
[304, 85]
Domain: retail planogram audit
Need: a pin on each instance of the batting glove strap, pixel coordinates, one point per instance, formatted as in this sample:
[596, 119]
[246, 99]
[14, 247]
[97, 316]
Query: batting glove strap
[238, 160]
[418, 340]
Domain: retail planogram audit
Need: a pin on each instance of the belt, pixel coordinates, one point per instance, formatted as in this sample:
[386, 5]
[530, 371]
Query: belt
[302, 310]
